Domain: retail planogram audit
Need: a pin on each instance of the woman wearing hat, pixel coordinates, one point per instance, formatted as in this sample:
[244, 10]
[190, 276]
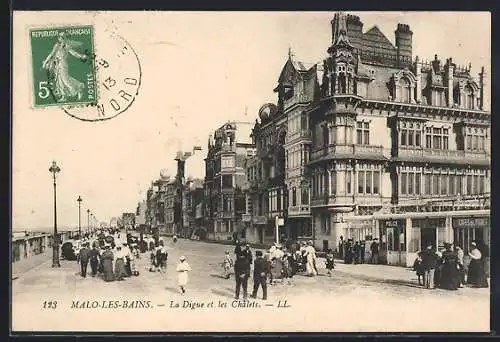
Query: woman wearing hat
[449, 275]
[182, 273]
[476, 275]
[120, 271]
[107, 263]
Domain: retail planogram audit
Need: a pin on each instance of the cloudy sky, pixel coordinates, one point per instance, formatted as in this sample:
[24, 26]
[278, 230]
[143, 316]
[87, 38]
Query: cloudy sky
[199, 70]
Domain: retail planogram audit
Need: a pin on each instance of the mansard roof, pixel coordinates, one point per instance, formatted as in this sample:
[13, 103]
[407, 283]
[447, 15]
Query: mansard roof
[375, 37]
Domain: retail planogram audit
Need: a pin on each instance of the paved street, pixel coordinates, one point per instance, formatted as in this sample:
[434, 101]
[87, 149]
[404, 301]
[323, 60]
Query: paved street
[355, 298]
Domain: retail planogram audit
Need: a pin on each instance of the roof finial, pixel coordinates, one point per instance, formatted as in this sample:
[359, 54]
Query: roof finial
[290, 53]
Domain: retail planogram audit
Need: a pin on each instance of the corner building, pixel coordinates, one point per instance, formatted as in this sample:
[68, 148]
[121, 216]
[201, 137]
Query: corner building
[382, 144]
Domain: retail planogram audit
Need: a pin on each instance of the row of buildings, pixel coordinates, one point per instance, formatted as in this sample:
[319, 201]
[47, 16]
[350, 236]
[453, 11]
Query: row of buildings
[371, 143]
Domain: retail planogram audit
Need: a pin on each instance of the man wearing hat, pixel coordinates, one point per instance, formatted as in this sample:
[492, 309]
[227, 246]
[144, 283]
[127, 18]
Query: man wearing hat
[84, 259]
[429, 263]
[247, 252]
[94, 259]
[241, 274]
[260, 271]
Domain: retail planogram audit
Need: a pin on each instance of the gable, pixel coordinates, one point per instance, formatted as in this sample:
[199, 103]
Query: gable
[374, 37]
[289, 73]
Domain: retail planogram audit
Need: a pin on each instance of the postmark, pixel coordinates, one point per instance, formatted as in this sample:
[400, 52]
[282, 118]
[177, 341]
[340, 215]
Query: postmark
[118, 79]
[63, 72]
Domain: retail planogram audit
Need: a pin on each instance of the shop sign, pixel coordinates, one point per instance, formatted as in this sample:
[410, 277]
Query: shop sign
[471, 222]
[260, 220]
[394, 223]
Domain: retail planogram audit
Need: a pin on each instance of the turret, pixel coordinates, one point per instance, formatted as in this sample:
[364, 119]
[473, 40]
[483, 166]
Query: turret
[482, 85]
[418, 76]
[450, 67]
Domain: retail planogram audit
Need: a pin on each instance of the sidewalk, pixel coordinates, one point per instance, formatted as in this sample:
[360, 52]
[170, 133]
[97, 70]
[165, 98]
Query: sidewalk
[22, 266]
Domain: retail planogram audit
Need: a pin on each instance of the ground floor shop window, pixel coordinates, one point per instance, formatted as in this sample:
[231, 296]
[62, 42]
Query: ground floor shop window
[463, 237]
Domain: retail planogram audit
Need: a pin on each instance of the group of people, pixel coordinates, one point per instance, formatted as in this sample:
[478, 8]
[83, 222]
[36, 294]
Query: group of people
[242, 271]
[109, 257]
[447, 270]
[354, 252]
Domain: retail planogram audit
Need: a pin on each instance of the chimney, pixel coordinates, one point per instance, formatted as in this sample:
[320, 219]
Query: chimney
[436, 64]
[404, 44]
[354, 29]
[482, 85]
[449, 77]
[418, 76]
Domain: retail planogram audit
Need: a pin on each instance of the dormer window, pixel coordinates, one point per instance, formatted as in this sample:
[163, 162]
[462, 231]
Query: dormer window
[404, 90]
[468, 98]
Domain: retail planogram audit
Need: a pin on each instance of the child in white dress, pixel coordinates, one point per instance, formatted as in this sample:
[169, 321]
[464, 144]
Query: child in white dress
[182, 271]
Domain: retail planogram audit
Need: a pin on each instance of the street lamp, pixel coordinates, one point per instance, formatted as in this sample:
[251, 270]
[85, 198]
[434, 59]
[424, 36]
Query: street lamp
[88, 220]
[54, 169]
[79, 200]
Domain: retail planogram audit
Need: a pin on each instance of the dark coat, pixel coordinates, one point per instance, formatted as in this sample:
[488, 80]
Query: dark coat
[84, 254]
[242, 268]
[248, 255]
[429, 259]
[261, 268]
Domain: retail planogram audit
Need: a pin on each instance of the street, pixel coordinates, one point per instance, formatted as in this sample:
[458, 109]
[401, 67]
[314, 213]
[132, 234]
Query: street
[356, 298]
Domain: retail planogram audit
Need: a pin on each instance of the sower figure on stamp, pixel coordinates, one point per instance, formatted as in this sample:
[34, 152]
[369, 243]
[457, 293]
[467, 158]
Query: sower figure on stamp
[260, 271]
[84, 260]
[56, 65]
[241, 274]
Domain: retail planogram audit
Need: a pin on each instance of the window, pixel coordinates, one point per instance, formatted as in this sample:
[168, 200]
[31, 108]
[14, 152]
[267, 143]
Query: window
[333, 183]
[227, 181]
[368, 182]
[469, 185]
[294, 197]
[363, 133]
[403, 183]
[305, 196]
[376, 182]
[475, 139]
[227, 162]
[361, 181]
[435, 184]
[410, 182]
[444, 184]
[348, 182]
[481, 185]
[427, 184]
[404, 90]
[436, 138]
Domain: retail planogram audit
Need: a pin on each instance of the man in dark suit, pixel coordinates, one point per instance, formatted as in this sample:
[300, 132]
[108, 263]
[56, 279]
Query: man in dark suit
[260, 271]
[94, 259]
[248, 254]
[84, 260]
[241, 274]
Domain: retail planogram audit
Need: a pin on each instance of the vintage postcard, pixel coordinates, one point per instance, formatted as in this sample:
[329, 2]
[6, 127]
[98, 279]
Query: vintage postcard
[251, 172]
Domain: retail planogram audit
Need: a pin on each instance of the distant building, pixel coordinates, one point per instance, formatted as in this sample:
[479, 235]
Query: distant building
[225, 174]
[140, 214]
[193, 198]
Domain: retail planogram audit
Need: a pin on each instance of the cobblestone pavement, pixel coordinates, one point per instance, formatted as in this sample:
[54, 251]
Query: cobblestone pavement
[373, 298]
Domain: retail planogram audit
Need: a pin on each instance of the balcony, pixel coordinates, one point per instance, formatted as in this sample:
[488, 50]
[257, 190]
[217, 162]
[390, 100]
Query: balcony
[447, 156]
[348, 151]
[297, 99]
[303, 134]
[228, 148]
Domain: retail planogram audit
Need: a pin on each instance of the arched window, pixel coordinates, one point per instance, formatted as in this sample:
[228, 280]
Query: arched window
[469, 98]
[404, 90]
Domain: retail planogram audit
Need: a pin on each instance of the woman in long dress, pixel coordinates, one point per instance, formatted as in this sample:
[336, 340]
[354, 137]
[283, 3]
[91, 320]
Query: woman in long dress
[476, 275]
[182, 273]
[450, 276]
[56, 64]
[120, 271]
[311, 260]
[107, 263]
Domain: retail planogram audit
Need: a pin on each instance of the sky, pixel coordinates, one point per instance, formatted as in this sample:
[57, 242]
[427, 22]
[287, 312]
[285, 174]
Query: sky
[199, 70]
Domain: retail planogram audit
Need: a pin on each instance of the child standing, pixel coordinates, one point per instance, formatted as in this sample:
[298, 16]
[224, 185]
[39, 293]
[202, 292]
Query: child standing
[182, 270]
[227, 265]
[330, 262]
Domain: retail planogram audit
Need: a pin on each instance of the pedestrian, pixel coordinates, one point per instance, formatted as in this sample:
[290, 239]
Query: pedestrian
[248, 254]
[237, 248]
[476, 276]
[461, 267]
[357, 252]
[241, 275]
[330, 262]
[174, 238]
[161, 257]
[227, 265]
[120, 271]
[429, 262]
[417, 267]
[260, 271]
[94, 259]
[287, 267]
[450, 275]
[127, 253]
[84, 260]
[107, 259]
[182, 273]
[341, 247]
[362, 247]
[374, 249]
[311, 260]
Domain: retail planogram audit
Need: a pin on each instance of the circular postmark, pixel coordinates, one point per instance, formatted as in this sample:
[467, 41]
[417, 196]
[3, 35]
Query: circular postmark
[117, 79]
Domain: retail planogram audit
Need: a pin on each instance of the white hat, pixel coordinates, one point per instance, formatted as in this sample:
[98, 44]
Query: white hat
[182, 258]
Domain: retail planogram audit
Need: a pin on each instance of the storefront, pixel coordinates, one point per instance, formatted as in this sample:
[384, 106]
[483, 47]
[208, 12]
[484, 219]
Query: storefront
[392, 237]
[468, 229]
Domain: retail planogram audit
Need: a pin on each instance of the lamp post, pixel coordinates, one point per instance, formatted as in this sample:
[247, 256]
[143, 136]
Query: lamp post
[88, 220]
[54, 169]
[79, 200]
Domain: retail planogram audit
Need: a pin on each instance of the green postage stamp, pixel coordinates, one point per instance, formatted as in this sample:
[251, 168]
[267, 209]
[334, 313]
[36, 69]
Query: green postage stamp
[63, 66]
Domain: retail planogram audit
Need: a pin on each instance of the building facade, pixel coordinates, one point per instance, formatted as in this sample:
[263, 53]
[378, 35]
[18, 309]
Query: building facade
[266, 192]
[382, 144]
[192, 198]
[225, 174]
[160, 205]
